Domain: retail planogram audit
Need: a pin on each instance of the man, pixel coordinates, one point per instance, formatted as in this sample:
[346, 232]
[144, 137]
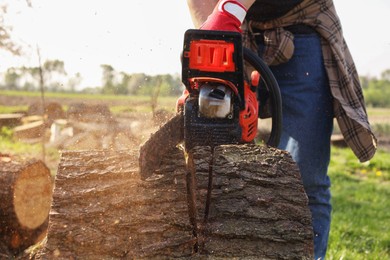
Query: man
[302, 42]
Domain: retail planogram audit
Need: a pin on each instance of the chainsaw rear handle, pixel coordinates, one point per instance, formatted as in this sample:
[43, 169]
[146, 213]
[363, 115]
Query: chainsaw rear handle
[268, 79]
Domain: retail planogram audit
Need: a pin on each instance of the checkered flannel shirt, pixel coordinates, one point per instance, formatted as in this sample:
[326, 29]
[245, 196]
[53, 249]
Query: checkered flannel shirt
[349, 107]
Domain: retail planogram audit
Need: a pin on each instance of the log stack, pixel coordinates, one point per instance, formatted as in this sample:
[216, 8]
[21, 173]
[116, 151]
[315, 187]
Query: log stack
[102, 210]
[26, 195]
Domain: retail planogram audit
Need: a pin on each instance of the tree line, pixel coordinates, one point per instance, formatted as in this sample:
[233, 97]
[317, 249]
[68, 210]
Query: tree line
[56, 79]
[123, 83]
[376, 89]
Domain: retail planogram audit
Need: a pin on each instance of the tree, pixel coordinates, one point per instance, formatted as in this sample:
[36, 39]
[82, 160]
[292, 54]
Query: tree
[12, 78]
[122, 88]
[74, 81]
[54, 74]
[377, 91]
[385, 75]
[135, 82]
[108, 79]
[28, 78]
[6, 42]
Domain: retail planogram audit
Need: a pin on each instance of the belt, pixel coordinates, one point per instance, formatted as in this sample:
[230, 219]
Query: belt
[294, 29]
[300, 29]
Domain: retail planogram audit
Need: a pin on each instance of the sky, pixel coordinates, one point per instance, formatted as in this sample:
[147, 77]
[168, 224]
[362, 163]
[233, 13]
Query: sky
[145, 36]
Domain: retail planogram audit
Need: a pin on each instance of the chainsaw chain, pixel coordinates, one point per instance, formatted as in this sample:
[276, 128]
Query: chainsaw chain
[159, 144]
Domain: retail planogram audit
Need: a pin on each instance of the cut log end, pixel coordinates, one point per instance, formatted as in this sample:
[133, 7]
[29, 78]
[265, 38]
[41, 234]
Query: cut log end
[25, 203]
[32, 195]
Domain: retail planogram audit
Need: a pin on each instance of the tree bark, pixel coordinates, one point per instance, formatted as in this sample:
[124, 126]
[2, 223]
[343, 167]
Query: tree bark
[26, 195]
[258, 207]
[101, 208]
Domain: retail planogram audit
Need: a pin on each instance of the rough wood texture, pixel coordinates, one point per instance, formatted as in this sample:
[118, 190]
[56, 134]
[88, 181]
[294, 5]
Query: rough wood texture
[102, 210]
[25, 202]
[258, 208]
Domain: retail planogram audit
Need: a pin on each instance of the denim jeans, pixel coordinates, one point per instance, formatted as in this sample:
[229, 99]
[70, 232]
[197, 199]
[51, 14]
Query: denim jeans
[307, 128]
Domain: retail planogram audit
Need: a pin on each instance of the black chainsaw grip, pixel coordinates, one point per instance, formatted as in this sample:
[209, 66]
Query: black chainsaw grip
[272, 86]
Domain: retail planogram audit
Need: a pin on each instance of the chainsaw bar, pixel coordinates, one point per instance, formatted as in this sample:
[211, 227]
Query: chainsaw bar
[199, 181]
[159, 144]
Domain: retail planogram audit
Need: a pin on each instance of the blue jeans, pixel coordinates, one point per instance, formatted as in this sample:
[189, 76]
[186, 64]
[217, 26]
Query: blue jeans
[307, 128]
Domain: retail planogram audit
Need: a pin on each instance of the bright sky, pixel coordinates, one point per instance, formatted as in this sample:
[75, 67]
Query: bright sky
[146, 35]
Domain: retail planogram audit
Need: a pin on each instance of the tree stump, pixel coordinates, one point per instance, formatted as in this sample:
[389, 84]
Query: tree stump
[101, 209]
[26, 195]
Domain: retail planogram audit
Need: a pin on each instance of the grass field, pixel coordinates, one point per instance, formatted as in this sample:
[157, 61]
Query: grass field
[360, 196]
[117, 103]
[360, 192]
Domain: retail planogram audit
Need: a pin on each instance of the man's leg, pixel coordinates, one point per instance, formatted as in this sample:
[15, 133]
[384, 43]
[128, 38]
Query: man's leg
[307, 128]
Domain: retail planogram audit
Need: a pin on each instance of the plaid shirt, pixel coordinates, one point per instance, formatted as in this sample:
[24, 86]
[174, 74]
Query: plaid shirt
[349, 107]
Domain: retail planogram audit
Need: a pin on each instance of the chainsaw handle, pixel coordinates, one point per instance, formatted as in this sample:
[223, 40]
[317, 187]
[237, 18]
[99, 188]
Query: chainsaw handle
[273, 87]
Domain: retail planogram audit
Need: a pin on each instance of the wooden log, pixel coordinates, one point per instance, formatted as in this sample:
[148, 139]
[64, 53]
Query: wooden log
[53, 110]
[258, 207]
[26, 195]
[32, 119]
[29, 131]
[10, 120]
[102, 210]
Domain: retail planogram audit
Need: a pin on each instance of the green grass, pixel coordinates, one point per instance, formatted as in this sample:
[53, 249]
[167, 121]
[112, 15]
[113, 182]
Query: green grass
[14, 93]
[26, 151]
[12, 109]
[361, 207]
[135, 103]
[103, 97]
[378, 111]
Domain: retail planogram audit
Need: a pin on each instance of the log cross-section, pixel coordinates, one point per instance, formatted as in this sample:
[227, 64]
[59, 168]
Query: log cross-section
[26, 195]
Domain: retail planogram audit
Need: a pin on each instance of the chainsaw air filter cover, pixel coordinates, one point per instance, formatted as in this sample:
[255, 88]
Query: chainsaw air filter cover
[215, 101]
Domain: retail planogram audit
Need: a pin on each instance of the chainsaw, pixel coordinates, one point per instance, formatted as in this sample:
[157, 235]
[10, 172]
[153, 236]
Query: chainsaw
[222, 103]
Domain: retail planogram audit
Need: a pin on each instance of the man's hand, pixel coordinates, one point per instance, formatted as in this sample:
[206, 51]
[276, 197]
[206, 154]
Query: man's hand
[226, 16]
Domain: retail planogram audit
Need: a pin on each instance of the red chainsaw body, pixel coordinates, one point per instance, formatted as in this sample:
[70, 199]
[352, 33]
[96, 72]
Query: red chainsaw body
[220, 106]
